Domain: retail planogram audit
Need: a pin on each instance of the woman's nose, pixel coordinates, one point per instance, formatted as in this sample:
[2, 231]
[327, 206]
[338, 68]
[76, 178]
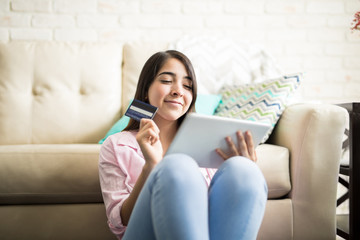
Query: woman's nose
[176, 90]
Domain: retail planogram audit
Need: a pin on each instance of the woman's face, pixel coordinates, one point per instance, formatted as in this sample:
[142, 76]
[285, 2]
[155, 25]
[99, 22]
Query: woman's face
[171, 91]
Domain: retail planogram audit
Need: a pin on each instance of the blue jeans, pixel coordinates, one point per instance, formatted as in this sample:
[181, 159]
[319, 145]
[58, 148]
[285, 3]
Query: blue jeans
[175, 202]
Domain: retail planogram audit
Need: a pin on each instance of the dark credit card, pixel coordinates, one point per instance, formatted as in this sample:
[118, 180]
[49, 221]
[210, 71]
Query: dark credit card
[138, 110]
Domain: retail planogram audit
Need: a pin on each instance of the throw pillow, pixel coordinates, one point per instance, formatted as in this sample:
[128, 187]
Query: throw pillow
[263, 102]
[220, 61]
[117, 127]
[205, 104]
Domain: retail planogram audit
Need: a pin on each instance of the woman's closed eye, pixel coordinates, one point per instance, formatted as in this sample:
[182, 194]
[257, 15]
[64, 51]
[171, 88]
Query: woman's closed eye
[188, 87]
[165, 81]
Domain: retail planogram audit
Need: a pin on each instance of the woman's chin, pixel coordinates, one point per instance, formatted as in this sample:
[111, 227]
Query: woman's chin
[169, 116]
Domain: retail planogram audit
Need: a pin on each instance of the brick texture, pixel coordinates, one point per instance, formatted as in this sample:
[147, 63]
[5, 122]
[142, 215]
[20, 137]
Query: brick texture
[310, 36]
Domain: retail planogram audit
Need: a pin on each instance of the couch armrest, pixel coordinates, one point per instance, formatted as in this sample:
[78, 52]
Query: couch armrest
[313, 133]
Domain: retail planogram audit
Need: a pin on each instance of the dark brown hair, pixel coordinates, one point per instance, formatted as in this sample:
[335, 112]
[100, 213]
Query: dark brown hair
[150, 71]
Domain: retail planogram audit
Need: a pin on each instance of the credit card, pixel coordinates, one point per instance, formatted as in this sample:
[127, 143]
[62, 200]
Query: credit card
[138, 110]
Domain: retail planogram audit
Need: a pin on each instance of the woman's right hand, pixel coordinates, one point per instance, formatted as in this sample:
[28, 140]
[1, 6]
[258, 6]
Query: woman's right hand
[149, 140]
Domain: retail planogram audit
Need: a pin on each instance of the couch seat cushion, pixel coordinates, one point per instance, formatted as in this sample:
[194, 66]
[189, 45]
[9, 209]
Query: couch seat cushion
[64, 173]
[274, 163]
[68, 173]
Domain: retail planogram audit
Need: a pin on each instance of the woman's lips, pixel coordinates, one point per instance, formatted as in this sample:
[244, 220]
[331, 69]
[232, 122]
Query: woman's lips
[174, 102]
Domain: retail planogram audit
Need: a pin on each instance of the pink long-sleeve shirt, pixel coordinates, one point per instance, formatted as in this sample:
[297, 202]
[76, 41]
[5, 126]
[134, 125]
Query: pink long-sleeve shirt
[120, 164]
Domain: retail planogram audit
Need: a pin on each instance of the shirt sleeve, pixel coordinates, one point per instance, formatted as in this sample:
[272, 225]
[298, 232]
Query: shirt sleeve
[119, 167]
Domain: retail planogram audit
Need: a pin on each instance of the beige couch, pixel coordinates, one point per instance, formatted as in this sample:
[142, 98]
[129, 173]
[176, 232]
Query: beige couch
[57, 100]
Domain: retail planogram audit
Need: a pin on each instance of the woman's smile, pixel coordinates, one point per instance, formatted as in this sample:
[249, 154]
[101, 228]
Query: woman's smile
[174, 103]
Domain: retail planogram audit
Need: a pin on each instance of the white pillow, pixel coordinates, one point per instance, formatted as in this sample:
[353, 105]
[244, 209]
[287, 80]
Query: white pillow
[220, 61]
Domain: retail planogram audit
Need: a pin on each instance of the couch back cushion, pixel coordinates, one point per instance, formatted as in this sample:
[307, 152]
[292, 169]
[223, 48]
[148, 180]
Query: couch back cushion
[58, 92]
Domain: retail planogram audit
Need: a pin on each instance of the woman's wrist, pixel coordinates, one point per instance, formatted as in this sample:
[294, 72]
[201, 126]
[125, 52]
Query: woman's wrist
[148, 167]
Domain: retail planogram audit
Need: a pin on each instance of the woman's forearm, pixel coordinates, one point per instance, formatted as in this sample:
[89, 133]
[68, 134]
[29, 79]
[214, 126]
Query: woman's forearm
[129, 203]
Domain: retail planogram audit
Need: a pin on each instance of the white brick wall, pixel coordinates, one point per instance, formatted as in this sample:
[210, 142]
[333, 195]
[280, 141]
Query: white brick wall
[30, 34]
[31, 6]
[74, 6]
[312, 36]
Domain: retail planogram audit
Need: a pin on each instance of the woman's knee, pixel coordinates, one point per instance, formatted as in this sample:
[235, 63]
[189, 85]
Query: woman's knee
[179, 160]
[242, 174]
[179, 169]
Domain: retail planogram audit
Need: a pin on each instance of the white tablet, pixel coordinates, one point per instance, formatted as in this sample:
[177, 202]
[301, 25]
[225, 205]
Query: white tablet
[199, 136]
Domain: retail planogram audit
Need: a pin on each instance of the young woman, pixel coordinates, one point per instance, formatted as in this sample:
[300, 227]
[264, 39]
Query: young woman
[149, 196]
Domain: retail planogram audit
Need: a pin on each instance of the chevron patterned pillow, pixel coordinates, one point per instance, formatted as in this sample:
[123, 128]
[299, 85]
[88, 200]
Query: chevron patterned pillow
[263, 102]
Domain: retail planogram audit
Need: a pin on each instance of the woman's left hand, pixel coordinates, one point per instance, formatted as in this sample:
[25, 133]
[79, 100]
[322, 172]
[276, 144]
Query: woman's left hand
[244, 147]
